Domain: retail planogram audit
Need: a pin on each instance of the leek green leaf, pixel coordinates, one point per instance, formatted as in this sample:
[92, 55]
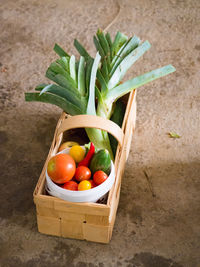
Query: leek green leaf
[99, 47]
[62, 80]
[91, 100]
[128, 47]
[120, 39]
[109, 40]
[126, 63]
[65, 105]
[81, 76]
[103, 42]
[117, 56]
[64, 63]
[69, 95]
[102, 82]
[88, 74]
[39, 87]
[104, 70]
[126, 87]
[82, 51]
[72, 67]
[57, 68]
[60, 51]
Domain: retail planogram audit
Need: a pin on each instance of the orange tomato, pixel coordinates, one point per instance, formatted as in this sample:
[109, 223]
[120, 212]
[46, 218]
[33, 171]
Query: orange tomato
[61, 168]
[70, 185]
[99, 177]
[84, 185]
[82, 173]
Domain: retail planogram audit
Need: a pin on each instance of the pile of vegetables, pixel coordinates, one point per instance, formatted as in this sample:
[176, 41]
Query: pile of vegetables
[93, 85]
[79, 170]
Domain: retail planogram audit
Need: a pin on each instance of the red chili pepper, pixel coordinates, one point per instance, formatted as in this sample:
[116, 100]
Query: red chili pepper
[87, 159]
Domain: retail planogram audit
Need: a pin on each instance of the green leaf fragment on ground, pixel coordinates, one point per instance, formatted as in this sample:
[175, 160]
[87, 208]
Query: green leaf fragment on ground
[174, 135]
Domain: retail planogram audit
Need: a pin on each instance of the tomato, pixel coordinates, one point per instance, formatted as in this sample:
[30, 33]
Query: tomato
[61, 168]
[92, 183]
[82, 173]
[77, 153]
[70, 185]
[99, 177]
[84, 185]
[67, 144]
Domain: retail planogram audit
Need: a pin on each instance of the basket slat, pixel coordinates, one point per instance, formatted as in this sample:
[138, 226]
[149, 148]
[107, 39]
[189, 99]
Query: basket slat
[72, 229]
[49, 225]
[93, 233]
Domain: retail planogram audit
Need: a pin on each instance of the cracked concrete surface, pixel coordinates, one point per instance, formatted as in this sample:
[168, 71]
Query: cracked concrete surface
[157, 223]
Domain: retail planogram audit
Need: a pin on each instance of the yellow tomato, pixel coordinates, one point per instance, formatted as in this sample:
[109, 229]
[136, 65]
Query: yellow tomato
[84, 185]
[77, 153]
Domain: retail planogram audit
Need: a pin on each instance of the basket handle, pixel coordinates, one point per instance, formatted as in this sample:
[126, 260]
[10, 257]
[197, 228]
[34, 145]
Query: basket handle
[92, 121]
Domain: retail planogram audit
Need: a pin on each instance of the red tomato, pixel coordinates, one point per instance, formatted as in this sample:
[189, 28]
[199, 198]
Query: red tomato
[82, 173]
[99, 177]
[92, 183]
[70, 185]
[61, 168]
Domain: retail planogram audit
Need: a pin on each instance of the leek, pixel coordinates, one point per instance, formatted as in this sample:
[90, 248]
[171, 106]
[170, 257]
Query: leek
[78, 85]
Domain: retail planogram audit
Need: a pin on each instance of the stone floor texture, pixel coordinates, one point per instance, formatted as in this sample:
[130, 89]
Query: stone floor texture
[158, 218]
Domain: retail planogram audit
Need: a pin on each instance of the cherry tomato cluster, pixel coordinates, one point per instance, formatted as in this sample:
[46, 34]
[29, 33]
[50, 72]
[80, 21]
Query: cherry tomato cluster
[82, 179]
[70, 172]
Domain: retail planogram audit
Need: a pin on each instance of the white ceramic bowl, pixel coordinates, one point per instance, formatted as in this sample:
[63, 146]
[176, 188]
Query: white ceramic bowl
[91, 195]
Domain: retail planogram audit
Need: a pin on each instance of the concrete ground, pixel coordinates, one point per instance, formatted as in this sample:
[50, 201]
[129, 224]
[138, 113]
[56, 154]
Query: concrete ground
[157, 223]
